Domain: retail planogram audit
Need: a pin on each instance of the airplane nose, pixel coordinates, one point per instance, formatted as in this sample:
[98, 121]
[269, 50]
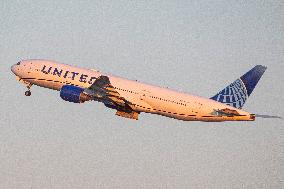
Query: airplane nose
[13, 69]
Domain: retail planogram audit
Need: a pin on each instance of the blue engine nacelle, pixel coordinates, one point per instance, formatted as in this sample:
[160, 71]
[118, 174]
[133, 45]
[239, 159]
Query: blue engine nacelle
[74, 94]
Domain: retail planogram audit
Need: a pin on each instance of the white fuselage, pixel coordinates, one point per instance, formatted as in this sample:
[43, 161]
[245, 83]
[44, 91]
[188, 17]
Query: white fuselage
[145, 97]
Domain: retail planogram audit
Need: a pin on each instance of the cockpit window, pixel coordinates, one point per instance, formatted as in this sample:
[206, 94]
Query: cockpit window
[18, 63]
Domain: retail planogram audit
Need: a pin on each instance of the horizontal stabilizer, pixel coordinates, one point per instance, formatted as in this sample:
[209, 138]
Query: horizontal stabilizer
[268, 116]
[238, 92]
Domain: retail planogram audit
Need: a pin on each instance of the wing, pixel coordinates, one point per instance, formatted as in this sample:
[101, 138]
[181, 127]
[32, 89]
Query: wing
[102, 90]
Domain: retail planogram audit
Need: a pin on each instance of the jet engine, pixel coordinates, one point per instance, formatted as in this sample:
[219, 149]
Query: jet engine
[74, 94]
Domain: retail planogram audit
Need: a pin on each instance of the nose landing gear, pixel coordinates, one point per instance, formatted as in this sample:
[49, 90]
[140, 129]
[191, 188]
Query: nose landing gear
[28, 92]
[27, 84]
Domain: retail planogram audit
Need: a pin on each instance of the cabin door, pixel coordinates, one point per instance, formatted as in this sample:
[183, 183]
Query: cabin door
[144, 94]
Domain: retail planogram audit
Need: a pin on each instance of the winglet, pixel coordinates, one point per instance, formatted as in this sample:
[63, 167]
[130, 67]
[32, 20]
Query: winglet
[238, 92]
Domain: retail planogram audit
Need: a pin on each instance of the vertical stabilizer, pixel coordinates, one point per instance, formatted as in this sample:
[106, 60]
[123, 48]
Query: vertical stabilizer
[238, 92]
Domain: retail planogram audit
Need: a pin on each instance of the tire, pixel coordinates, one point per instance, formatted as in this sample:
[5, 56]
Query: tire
[28, 93]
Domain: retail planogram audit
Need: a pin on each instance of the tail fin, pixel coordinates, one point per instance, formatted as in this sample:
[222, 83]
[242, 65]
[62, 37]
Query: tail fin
[238, 92]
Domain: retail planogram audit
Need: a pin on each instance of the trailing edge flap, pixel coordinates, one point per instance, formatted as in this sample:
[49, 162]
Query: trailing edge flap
[238, 92]
[103, 90]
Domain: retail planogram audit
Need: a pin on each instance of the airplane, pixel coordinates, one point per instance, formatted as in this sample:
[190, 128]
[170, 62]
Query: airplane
[130, 97]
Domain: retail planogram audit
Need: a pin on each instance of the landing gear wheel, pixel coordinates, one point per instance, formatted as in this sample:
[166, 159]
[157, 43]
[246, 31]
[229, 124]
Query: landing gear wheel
[28, 93]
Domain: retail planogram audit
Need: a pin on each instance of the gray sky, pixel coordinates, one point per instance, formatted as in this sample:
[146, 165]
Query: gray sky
[193, 46]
